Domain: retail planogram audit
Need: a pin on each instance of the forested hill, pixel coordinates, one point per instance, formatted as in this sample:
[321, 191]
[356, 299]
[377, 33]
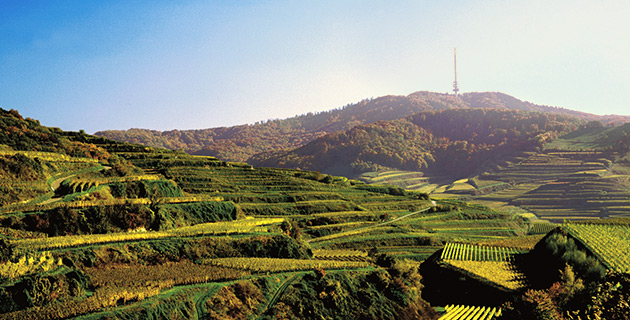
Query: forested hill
[28, 134]
[239, 143]
[452, 142]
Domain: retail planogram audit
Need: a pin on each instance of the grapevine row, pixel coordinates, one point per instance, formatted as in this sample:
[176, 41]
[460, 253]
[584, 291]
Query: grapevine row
[341, 255]
[78, 184]
[541, 228]
[111, 202]
[499, 272]
[610, 243]
[470, 312]
[463, 251]
[211, 228]
[48, 156]
[282, 265]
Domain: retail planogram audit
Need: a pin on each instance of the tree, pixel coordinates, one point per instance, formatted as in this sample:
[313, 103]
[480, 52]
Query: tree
[6, 250]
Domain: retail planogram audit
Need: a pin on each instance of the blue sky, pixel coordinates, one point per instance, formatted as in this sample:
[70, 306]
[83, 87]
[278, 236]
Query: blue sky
[97, 65]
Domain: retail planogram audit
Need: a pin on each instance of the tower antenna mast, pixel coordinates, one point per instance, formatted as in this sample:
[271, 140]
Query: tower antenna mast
[455, 87]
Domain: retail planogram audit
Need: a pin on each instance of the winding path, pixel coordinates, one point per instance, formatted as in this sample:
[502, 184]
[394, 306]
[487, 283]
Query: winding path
[54, 186]
[57, 182]
[280, 292]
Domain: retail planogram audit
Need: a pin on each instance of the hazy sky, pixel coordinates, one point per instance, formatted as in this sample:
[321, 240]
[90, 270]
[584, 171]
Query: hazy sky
[98, 65]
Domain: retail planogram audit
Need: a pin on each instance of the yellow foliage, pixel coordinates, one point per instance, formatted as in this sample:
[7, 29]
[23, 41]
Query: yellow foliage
[211, 228]
[48, 156]
[41, 262]
[282, 265]
[456, 312]
[500, 272]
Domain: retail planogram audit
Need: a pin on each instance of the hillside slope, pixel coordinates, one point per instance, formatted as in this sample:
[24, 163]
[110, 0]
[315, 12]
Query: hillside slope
[554, 166]
[146, 232]
[451, 142]
[584, 174]
[239, 143]
[134, 232]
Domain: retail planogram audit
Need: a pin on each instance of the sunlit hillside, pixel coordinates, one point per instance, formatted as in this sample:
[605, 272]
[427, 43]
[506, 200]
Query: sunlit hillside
[239, 143]
[94, 228]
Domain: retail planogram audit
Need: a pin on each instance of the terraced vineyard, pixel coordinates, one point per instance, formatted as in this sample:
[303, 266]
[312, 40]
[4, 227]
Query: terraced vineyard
[410, 180]
[490, 263]
[176, 222]
[462, 251]
[459, 312]
[609, 242]
[541, 228]
[550, 166]
[243, 226]
[121, 230]
[555, 185]
[282, 265]
[498, 272]
[341, 255]
[562, 182]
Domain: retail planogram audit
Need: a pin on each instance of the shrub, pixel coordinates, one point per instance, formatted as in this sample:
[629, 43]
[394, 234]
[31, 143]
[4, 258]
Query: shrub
[6, 250]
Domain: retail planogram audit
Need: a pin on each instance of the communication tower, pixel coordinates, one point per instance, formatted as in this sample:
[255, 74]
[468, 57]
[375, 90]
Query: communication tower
[455, 87]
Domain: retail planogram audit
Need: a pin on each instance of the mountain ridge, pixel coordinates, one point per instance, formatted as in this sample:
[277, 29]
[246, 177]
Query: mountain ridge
[239, 143]
[452, 142]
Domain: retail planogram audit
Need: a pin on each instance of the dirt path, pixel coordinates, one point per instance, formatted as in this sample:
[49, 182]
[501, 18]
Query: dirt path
[54, 186]
[57, 182]
[353, 231]
[399, 218]
[280, 291]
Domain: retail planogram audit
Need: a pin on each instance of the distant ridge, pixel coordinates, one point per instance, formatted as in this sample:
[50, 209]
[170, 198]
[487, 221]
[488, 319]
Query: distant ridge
[448, 142]
[240, 143]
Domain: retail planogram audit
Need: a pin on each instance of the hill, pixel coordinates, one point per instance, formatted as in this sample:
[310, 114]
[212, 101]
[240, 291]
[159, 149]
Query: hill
[513, 280]
[239, 143]
[453, 143]
[133, 231]
[126, 231]
[554, 166]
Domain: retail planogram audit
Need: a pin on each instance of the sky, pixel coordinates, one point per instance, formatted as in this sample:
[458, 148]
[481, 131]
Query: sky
[163, 65]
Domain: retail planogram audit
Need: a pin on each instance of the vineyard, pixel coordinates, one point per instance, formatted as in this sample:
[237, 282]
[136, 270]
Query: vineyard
[488, 262]
[342, 255]
[48, 156]
[79, 204]
[205, 229]
[406, 179]
[41, 262]
[283, 265]
[609, 242]
[342, 220]
[459, 312]
[464, 252]
[541, 228]
[555, 185]
[117, 230]
[500, 272]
